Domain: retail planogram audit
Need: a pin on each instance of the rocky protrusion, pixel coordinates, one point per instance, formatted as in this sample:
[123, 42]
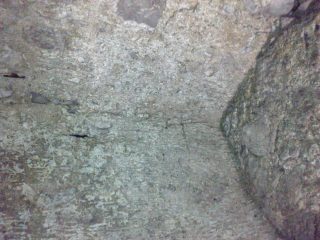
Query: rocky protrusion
[272, 125]
[278, 8]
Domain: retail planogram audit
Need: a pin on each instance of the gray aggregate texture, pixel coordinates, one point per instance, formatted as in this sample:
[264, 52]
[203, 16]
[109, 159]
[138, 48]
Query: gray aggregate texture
[110, 127]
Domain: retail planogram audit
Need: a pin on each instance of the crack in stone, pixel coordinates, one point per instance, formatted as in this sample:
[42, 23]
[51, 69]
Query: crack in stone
[79, 135]
[185, 136]
[174, 14]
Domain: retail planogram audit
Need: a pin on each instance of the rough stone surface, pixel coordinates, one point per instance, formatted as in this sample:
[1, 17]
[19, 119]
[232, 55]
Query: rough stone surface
[4, 93]
[278, 8]
[126, 143]
[273, 127]
[142, 11]
[38, 98]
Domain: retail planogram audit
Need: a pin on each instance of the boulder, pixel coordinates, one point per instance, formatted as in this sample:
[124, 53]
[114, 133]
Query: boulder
[272, 125]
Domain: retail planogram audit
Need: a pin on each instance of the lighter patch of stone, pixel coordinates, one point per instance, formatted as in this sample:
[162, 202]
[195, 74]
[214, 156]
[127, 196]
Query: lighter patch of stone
[4, 93]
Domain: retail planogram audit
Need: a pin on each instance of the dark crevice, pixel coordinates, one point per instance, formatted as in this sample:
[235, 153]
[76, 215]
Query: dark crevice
[306, 39]
[316, 228]
[13, 75]
[79, 135]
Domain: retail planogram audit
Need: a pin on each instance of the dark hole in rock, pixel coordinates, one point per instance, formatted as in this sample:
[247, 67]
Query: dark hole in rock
[79, 135]
[13, 75]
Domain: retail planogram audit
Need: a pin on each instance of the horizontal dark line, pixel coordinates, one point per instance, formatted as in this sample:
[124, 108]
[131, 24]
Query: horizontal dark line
[79, 135]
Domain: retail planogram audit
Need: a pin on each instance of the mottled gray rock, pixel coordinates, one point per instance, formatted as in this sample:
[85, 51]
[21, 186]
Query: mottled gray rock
[251, 5]
[278, 8]
[142, 11]
[4, 93]
[273, 129]
[9, 57]
[71, 105]
[143, 157]
[42, 36]
[39, 98]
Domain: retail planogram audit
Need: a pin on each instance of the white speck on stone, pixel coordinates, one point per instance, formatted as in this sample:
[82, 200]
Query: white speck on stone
[209, 72]
[98, 156]
[74, 80]
[28, 192]
[17, 169]
[25, 216]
